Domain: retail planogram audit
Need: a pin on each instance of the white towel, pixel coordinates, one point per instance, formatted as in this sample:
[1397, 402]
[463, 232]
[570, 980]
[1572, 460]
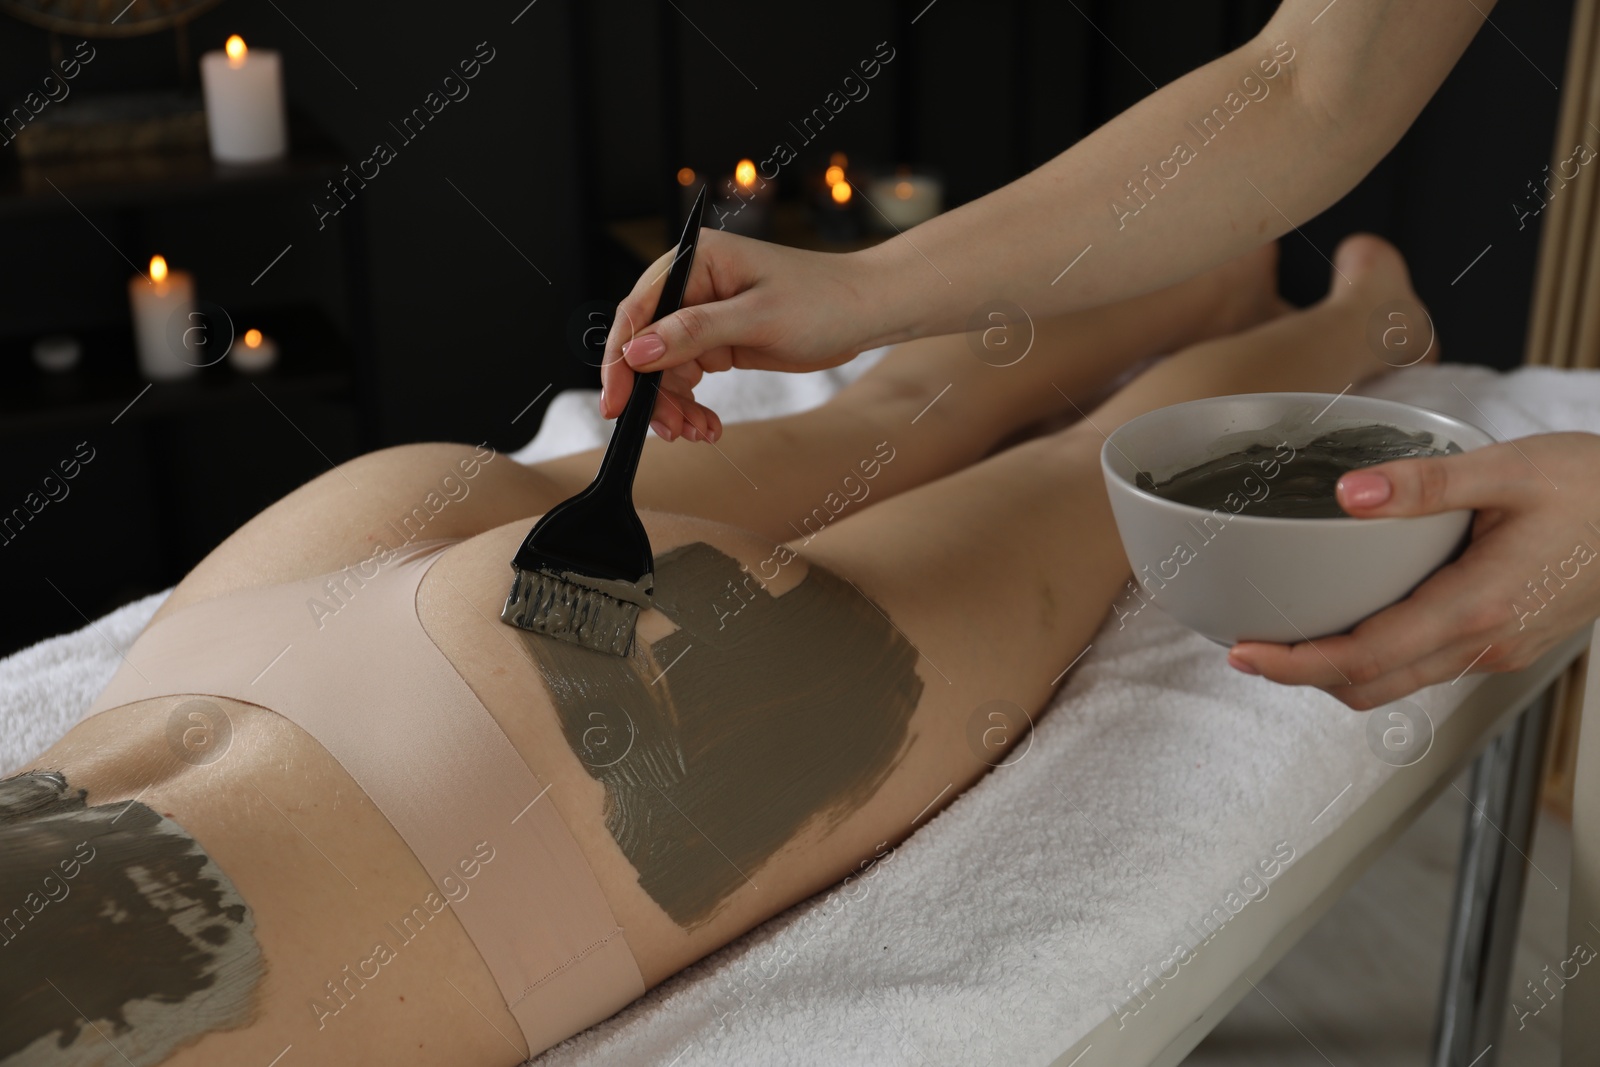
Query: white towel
[1012, 922]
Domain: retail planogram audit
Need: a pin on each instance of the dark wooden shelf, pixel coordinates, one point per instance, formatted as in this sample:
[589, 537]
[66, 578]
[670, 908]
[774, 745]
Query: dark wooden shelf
[152, 179]
[314, 359]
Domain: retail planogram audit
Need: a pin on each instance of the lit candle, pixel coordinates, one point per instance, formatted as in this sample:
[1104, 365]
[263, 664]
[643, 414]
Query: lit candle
[254, 354]
[688, 189]
[244, 103]
[836, 214]
[835, 172]
[904, 200]
[163, 313]
[744, 205]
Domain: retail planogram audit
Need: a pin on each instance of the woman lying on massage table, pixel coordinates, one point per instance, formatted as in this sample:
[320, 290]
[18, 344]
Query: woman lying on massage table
[488, 840]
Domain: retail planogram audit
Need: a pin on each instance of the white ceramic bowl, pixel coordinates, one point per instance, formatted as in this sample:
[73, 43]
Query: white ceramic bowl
[1234, 576]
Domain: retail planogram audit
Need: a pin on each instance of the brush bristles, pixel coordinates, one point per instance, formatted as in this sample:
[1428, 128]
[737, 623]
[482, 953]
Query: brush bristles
[548, 604]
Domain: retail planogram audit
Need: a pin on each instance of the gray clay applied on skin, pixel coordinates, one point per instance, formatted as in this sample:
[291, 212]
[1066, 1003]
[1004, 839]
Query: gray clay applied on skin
[120, 939]
[1304, 487]
[593, 612]
[720, 742]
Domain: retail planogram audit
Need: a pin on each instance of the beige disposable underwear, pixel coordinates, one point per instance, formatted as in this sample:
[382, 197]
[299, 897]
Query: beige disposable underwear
[374, 690]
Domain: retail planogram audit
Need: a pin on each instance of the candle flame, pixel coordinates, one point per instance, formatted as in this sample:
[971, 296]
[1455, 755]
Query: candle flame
[252, 338]
[686, 176]
[236, 50]
[745, 173]
[841, 192]
[158, 268]
[904, 189]
[838, 159]
[833, 175]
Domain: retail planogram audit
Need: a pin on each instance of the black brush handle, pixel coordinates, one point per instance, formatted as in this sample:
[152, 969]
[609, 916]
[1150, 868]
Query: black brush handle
[621, 460]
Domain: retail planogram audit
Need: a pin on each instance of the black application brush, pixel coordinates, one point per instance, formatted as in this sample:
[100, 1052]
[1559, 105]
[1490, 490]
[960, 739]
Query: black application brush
[585, 569]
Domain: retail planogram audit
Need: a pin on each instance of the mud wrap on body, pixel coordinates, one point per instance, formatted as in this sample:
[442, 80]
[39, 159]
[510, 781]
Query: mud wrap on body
[120, 939]
[759, 715]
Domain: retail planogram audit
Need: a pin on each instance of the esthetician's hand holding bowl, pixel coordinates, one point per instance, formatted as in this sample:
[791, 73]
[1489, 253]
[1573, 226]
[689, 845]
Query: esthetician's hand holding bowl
[1538, 508]
[1228, 515]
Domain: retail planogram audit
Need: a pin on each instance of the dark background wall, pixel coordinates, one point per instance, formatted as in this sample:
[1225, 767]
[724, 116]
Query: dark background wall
[582, 117]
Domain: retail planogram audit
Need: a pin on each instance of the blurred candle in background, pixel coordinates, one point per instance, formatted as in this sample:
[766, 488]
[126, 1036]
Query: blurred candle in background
[244, 103]
[163, 309]
[903, 200]
[836, 211]
[254, 353]
[744, 202]
[688, 189]
[835, 172]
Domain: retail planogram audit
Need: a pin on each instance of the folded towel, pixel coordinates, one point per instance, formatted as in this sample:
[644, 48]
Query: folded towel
[1015, 920]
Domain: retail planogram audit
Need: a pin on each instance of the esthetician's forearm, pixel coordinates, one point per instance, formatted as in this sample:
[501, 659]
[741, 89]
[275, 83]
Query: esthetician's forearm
[1360, 73]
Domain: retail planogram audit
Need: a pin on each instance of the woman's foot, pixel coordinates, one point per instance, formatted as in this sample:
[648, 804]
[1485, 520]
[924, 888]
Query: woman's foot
[1370, 279]
[1329, 347]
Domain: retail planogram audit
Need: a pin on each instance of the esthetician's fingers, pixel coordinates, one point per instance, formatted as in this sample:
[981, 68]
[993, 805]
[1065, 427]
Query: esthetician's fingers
[679, 415]
[679, 381]
[683, 379]
[1496, 475]
[1473, 655]
[1401, 634]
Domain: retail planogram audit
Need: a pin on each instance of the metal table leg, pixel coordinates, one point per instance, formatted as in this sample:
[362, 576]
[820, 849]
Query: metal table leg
[1489, 884]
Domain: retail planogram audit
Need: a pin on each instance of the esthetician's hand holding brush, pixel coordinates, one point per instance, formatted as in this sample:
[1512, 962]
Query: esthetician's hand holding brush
[1308, 106]
[735, 315]
[1529, 577]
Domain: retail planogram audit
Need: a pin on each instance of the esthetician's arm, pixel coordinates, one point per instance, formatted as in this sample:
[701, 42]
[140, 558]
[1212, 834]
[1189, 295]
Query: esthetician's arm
[1311, 105]
[1529, 578]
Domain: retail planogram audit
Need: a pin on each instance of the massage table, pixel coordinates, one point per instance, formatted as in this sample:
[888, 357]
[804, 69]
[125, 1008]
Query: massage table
[1034, 920]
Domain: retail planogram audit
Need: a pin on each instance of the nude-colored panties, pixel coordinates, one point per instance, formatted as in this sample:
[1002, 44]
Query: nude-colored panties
[374, 690]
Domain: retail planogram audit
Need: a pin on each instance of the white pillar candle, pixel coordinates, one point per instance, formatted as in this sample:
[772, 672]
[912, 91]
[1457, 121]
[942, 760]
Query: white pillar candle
[163, 310]
[244, 103]
[253, 353]
[905, 200]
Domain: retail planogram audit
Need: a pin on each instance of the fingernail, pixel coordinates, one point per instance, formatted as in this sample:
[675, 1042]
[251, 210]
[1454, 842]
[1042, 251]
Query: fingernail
[602, 401]
[1241, 666]
[1364, 489]
[661, 429]
[642, 350]
[691, 431]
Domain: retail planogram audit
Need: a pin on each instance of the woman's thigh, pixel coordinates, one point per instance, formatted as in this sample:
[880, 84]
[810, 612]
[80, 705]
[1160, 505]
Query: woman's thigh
[776, 728]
